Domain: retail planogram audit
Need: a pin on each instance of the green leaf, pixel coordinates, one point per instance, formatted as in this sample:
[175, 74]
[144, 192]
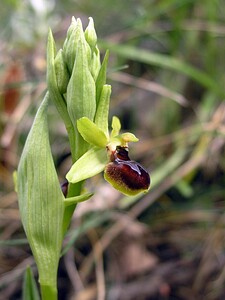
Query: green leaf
[88, 165]
[30, 290]
[116, 126]
[41, 200]
[77, 199]
[91, 133]
[102, 113]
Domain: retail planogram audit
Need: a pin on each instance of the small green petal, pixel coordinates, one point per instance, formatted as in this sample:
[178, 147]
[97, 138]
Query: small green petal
[116, 126]
[129, 137]
[102, 113]
[88, 165]
[91, 133]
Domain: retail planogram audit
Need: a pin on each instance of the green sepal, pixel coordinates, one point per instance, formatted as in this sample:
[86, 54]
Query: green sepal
[77, 199]
[101, 79]
[30, 290]
[41, 199]
[91, 133]
[102, 113]
[88, 165]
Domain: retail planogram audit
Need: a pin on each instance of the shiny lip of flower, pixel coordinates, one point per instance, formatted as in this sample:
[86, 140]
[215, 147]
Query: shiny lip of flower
[126, 175]
[109, 152]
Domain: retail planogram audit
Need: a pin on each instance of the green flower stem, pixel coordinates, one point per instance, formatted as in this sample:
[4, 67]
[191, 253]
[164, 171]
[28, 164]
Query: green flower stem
[74, 190]
[72, 141]
[49, 292]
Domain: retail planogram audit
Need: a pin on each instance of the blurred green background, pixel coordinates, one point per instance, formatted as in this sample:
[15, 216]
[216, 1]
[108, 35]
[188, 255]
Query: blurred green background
[167, 74]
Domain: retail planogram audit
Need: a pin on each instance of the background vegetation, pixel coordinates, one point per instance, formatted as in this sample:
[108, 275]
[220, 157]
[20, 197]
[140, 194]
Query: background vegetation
[167, 71]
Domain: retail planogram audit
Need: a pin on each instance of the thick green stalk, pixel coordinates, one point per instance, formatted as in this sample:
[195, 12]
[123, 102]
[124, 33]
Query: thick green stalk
[49, 292]
[74, 190]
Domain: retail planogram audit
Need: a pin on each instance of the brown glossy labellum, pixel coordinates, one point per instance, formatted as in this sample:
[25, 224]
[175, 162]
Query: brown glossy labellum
[126, 175]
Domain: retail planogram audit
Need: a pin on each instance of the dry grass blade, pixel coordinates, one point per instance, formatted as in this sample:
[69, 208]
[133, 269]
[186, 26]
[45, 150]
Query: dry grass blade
[150, 86]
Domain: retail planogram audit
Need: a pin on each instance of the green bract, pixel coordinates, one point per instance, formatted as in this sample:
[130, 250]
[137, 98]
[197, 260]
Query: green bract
[41, 201]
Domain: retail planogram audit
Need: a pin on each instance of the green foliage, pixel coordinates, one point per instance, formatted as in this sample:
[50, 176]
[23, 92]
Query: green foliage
[38, 186]
[30, 291]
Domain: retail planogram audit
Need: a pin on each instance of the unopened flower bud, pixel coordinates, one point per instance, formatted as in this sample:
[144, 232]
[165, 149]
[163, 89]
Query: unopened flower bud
[70, 46]
[90, 34]
[62, 75]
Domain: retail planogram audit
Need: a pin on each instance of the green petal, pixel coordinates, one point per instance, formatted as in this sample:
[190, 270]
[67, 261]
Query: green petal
[116, 126]
[88, 165]
[91, 133]
[102, 113]
[129, 137]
